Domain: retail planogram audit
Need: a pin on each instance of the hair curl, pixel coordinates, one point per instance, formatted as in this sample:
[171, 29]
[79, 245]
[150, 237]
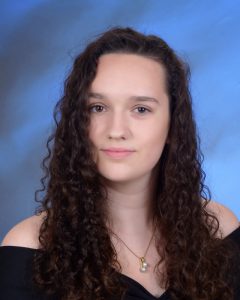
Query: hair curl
[77, 259]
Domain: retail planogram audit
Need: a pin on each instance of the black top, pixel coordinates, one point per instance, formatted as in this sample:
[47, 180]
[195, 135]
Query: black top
[15, 275]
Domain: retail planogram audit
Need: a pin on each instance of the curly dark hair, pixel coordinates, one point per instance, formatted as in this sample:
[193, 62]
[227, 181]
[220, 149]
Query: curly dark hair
[77, 259]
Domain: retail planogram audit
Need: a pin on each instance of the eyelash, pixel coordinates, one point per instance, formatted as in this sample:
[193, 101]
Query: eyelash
[146, 109]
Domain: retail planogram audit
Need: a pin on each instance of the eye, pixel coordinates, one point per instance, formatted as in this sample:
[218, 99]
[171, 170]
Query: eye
[143, 109]
[95, 106]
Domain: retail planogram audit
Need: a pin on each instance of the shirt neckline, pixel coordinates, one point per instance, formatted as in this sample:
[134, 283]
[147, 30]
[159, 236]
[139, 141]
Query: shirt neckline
[135, 282]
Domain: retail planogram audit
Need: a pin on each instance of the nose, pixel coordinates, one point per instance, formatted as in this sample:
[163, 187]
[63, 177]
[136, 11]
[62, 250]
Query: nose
[118, 126]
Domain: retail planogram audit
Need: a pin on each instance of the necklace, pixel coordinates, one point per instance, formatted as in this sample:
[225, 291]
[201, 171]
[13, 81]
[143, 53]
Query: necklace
[142, 259]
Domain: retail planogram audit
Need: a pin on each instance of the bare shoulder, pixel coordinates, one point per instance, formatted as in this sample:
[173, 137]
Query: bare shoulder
[24, 233]
[228, 221]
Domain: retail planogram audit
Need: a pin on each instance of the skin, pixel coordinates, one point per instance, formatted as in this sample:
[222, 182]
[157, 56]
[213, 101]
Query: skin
[119, 121]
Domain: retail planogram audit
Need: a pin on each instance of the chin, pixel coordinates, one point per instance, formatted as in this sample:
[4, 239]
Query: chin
[116, 178]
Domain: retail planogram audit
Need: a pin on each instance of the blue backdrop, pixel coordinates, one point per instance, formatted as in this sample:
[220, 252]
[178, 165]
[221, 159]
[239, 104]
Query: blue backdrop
[38, 41]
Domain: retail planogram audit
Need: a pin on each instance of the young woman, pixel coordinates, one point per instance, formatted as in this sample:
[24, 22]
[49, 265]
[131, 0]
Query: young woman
[126, 214]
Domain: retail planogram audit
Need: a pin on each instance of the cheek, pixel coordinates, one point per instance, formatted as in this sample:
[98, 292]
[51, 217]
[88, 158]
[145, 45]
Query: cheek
[94, 138]
[93, 132]
[153, 151]
[154, 143]
[91, 136]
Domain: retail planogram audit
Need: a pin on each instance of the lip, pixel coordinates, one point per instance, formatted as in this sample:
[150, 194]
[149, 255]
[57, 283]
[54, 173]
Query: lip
[114, 149]
[117, 152]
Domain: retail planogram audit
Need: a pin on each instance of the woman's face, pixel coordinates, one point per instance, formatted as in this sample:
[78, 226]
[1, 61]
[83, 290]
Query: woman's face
[129, 108]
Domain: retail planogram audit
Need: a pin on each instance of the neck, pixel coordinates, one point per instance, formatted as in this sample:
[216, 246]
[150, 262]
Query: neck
[130, 205]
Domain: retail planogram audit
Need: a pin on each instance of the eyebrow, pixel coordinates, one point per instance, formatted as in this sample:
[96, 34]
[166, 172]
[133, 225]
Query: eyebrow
[132, 98]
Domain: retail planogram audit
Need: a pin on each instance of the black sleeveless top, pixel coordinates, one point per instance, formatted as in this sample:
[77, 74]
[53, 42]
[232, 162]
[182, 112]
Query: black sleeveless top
[15, 276]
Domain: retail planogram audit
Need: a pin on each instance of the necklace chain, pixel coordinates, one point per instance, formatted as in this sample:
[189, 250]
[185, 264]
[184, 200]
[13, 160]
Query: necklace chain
[143, 263]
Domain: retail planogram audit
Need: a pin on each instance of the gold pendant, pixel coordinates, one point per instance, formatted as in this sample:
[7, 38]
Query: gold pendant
[143, 265]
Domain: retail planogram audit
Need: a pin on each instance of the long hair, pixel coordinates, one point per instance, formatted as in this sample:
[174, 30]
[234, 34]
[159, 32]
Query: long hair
[77, 259]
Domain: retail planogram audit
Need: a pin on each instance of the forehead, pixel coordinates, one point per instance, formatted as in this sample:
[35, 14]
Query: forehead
[128, 73]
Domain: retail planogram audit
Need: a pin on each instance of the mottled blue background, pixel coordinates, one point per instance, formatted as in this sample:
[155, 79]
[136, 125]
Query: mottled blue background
[38, 41]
